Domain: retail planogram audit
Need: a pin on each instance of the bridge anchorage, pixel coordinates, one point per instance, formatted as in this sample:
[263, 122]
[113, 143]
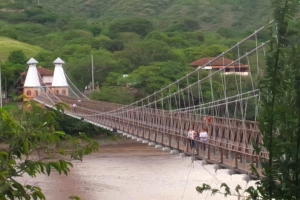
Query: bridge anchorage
[218, 100]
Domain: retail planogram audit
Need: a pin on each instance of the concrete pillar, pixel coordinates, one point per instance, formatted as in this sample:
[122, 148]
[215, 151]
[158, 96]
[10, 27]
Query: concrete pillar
[166, 149]
[152, 144]
[174, 151]
[145, 141]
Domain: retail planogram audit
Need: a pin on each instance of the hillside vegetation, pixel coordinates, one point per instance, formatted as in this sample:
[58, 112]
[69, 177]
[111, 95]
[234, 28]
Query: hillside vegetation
[211, 14]
[8, 45]
[152, 41]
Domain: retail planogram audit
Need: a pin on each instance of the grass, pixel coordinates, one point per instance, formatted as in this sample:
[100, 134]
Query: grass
[10, 107]
[7, 45]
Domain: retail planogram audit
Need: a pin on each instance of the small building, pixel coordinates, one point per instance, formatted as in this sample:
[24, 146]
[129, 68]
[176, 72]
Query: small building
[219, 63]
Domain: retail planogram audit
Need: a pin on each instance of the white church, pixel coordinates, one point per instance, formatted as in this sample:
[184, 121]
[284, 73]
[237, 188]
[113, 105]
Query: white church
[36, 83]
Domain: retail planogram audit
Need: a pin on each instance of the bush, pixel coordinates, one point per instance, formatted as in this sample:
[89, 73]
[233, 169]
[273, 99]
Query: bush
[139, 26]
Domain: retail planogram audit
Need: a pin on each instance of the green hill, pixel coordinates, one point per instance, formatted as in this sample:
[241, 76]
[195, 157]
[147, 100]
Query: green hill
[210, 14]
[7, 45]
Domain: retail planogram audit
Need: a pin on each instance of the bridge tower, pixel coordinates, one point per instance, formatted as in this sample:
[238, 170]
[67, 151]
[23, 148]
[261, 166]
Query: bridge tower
[59, 83]
[32, 83]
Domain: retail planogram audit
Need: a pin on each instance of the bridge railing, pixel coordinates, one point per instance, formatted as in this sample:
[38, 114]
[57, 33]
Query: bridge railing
[231, 142]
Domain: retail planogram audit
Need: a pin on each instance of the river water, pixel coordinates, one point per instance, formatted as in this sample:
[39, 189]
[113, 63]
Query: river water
[135, 171]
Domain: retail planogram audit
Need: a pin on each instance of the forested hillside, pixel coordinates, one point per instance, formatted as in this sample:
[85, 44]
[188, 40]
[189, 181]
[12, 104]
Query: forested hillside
[151, 41]
[170, 14]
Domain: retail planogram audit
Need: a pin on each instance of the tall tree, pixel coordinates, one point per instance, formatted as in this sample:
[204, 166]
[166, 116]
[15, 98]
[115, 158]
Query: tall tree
[17, 57]
[280, 114]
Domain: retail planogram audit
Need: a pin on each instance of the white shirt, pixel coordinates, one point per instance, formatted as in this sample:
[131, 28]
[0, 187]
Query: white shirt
[203, 136]
[190, 134]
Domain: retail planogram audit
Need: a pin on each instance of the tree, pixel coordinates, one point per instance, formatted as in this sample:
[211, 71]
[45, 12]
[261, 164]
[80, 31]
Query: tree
[17, 57]
[158, 75]
[46, 59]
[139, 26]
[28, 142]
[95, 29]
[40, 15]
[195, 53]
[114, 94]
[73, 126]
[104, 63]
[145, 52]
[185, 26]
[112, 79]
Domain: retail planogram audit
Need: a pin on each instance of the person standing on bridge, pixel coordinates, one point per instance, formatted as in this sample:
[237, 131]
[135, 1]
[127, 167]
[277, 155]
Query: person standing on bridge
[190, 136]
[196, 138]
[203, 138]
[74, 107]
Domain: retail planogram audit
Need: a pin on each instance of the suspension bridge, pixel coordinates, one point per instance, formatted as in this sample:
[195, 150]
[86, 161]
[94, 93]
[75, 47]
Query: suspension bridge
[225, 104]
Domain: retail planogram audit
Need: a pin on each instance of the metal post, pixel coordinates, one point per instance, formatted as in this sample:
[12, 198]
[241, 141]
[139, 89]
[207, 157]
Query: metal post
[92, 74]
[0, 88]
[6, 95]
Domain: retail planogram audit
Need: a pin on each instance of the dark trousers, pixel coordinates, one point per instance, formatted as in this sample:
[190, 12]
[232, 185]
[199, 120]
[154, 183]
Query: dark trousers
[203, 146]
[192, 143]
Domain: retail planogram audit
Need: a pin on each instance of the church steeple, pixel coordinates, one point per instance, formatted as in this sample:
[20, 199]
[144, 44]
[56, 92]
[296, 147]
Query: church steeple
[59, 78]
[32, 83]
[32, 77]
[59, 83]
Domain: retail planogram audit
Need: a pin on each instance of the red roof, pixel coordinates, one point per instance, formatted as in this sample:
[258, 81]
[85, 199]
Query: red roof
[42, 71]
[218, 62]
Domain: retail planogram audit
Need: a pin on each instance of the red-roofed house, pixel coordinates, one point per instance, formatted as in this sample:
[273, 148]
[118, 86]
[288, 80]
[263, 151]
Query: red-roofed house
[219, 63]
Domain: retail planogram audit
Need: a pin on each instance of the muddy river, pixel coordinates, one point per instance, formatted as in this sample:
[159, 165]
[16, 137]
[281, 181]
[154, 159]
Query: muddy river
[135, 171]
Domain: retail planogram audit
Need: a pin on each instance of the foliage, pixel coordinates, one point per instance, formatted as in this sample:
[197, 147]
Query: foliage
[187, 25]
[114, 94]
[13, 67]
[17, 57]
[145, 52]
[155, 76]
[11, 107]
[195, 53]
[104, 63]
[209, 14]
[121, 44]
[28, 143]
[73, 126]
[139, 26]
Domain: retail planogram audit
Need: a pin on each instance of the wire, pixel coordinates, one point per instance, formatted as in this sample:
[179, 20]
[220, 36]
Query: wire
[186, 182]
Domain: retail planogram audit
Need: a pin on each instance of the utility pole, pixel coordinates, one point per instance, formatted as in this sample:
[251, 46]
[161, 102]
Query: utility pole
[38, 2]
[6, 95]
[0, 88]
[92, 73]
